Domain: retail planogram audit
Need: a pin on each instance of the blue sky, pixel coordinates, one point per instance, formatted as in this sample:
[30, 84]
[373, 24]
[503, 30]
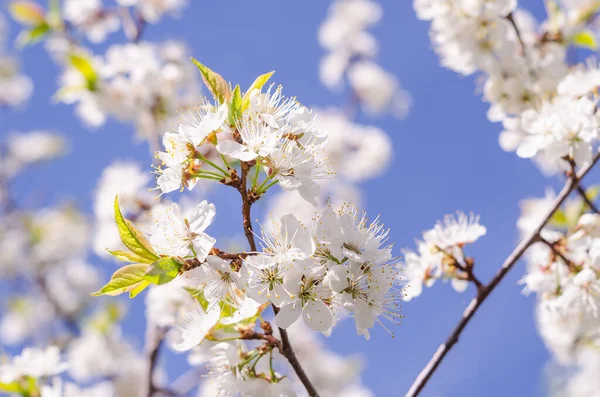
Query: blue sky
[446, 158]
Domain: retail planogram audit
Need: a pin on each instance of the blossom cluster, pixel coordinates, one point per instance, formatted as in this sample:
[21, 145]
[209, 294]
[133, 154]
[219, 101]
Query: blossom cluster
[440, 255]
[211, 335]
[337, 265]
[351, 52]
[548, 111]
[97, 20]
[276, 133]
[563, 273]
[142, 83]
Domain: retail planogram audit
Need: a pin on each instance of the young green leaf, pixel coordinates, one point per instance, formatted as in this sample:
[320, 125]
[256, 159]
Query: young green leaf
[13, 387]
[129, 257]
[133, 238]
[33, 35]
[585, 39]
[216, 84]
[163, 271]
[84, 66]
[235, 106]
[27, 12]
[257, 85]
[130, 278]
[559, 219]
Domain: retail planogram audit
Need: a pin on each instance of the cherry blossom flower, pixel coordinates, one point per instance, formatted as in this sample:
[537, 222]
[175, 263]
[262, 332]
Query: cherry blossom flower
[183, 235]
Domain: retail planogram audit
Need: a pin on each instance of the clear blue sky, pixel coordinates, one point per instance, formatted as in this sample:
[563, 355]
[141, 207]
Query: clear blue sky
[446, 158]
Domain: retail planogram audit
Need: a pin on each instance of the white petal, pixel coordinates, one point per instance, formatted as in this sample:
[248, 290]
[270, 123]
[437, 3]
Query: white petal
[459, 285]
[288, 315]
[202, 216]
[192, 327]
[202, 244]
[236, 150]
[337, 278]
[317, 316]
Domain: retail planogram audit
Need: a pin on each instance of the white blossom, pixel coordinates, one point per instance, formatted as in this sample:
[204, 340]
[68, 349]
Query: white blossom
[183, 235]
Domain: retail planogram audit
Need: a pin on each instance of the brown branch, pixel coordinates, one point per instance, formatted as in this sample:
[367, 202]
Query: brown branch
[288, 352]
[286, 348]
[467, 268]
[484, 292]
[267, 336]
[557, 253]
[572, 173]
[246, 206]
[227, 256]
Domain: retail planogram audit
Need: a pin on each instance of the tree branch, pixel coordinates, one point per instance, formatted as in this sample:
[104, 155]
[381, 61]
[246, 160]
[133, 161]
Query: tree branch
[285, 348]
[288, 352]
[484, 292]
[246, 206]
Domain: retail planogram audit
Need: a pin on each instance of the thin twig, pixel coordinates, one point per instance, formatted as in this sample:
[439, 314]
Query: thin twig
[587, 200]
[70, 319]
[288, 352]
[286, 348]
[155, 341]
[510, 17]
[482, 294]
[467, 268]
[556, 252]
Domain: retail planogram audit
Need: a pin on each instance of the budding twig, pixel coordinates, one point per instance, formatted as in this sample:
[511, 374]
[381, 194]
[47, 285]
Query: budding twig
[482, 294]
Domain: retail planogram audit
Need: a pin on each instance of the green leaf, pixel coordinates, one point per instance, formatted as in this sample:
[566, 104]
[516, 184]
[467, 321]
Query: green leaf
[235, 106]
[13, 387]
[163, 271]
[199, 296]
[33, 35]
[257, 85]
[559, 219]
[139, 288]
[27, 12]
[585, 39]
[129, 257]
[216, 84]
[130, 278]
[133, 238]
[84, 66]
